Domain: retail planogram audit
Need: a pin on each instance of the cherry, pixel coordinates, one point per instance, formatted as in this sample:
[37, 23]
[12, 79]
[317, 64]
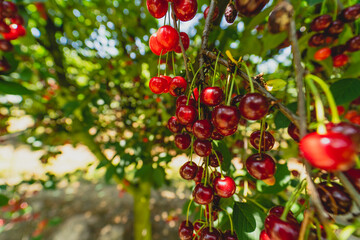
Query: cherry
[182, 141]
[316, 40]
[278, 211]
[293, 131]
[202, 129]
[228, 132]
[353, 44]
[199, 175]
[350, 114]
[185, 10]
[202, 147]
[4, 65]
[186, 230]
[278, 229]
[173, 125]
[186, 114]
[185, 41]
[230, 13]
[215, 135]
[336, 27]
[354, 176]
[168, 79]
[155, 46]
[334, 198]
[349, 129]
[264, 236]
[225, 117]
[9, 9]
[212, 96]
[229, 236]
[158, 84]
[340, 60]
[356, 101]
[215, 15]
[189, 127]
[196, 94]
[19, 20]
[224, 187]
[253, 106]
[168, 37]
[235, 100]
[188, 170]
[5, 45]
[321, 23]
[261, 166]
[157, 8]
[197, 226]
[214, 161]
[267, 140]
[355, 119]
[214, 214]
[181, 100]
[177, 86]
[4, 28]
[202, 194]
[13, 34]
[214, 234]
[337, 50]
[250, 8]
[214, 175]
[351, 13]
[322, 54]
[331, 151]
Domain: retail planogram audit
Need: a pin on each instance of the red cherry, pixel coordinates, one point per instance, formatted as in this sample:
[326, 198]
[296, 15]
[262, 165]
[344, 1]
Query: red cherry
[235, 100]
[227, 132]
[196, 94]
[331, 151]
[202, 129]
[212, 96]
[340, 60]
[185, 41]
[182, 141]
[336, 27]
[188, 170]
[293, 131]
[224, 187]
[173, 125]
[322, 54]
[20, 30]
[353, 44]
[351, 13]
[253, 106]
[199, 175]
[214, 213]
[4, 28]
[334, 198]
[214, 234]
[261, 166]
[225, 117]
[356, 101]
[181, 100]
[349, 129]
[214, 175]
[214, 161]
[157, 8]
[19, 20]
[264, 236]
[168, 37]
[267, 140]
[185, 10]
[155, 46]
[354, 176]
[316, 40]
[189, 127]
[250, 8]
[229, 236]
[203, 194]
[278, 229]
[278, 211]
[9, 9]
[13, 34]
[350, 114]
[215, 15]
[202, 147]
[355, 119]
[158, 84]
[186, 230]
[321, 23]
[177, 86]
[168, 79]
[215, 135]
[5, 45]
[186, 114]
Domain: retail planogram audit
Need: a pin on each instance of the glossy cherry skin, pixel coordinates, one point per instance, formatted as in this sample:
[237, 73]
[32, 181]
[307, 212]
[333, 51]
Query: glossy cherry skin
[335, 28]
[331, 151]
[177, 86]
[278, 229]
[185, 41]
[278, 211]
[351, 13]
[185, 10]
[13, 34]
[212, 96]
[316, 40]
[19, 20]
[155, 46]
[168, 79]
[250, 8]
[215, 135]
[5, 45]
[202, 147]
[189, 127]
[4, 28]
[267, 140]
[354, 176]
[261, 166]
[203, 195]
[334, 198]
[228, 236]
[322, 54]
[157, 8]
[349, 129]
[264, 235]
[213, 235]
[353, 44]
[173, 125]
[168, 37]
[158, 84]
[340, 60]
[216, 13]
[224, 187]
[182, 141]
[186, 230]
[321, 23]
[293, 131]
[253, 106]
[188, 170]
[228, 132]
[214, 161]
[186, 114]
[225, 117]
[9, 9]
[181, 100]
[199, 175]
[202, 129]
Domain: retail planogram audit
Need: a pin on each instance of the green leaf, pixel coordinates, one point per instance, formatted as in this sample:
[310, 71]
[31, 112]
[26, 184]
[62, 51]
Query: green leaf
[221, 147]
[282, 177]
[248, 220]
[13, 88]
[280, 120]
[345, 90]
[3, 200]
[158, 176]
[110, 171]
[271, 41]
[275, 84]
[260, 17]
[314, 2]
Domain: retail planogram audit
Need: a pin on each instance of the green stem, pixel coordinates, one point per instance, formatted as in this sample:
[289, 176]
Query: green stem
[173, 63]
[249, 77]
[159, 63]
[323, 5]
[261, 135]
[166, 64]
[335, 10]
[308, 111]
[216, 63]
[232, 87]
[199, 109]
[257, 204]
[293, 198]
[210, 217]
[187, 212]
[217, 157]
[231, 222]
[206, 170]
[192, 83]
[192, 148]
[227, 86]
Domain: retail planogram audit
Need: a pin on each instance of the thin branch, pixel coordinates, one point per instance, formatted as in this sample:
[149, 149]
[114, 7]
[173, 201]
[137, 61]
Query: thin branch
[349, 187]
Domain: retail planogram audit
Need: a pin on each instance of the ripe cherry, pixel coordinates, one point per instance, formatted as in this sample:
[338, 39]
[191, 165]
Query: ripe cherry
[322, 54]
[212, 96]
[340, 60]
[177, 86]
[215, 135]
[214, 213]
[321, 23]
[225, 117]
[202, 147]
[199, 175]
[334, 198]
[13, 34]
[235, 100]
[9, 9]
[182, 141]
[278, 211]
[253, 106]
[189, 127]
[331, 151]
[214, 234]
[316, 40]
[168, 79]
[168, 37]
[5, 45]
[230, 13]
[181, 100]
[336, 27]
[19, 20]
[278, 229]
[214, 161]
[250, 8]
[185, 10]
[215, 15]
[354, 176]
[186, 230]
[349, 129]
[261, 166]
[158, 84]
[267, 140]
[185, 41]
[188, 170]
[202, 129]
[351, 13]
[155, 46]
[337, 50]
[173, 125]
[224, 187]
[157, 8]
[202, 194]
[186, 114]
[353, 44]
[264, 235]
[227, 235]
[4, 28]
[293, 131]
[228, 132]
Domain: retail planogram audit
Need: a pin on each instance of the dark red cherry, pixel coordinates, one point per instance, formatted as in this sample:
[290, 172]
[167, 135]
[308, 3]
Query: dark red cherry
[278, 211]
[203, 194]
[214, 175]
[182, 141]
[235, 100]
[181, 100]
[212, 96]
[157, 8]
[177, 86]
[340, 60]
[4, 65]
[13, 34]
[185, 10]
[155, 46]
[214, 234]
[316, 40]
[264, 235]
[214, 161]
[293, 131]
[173, 125]
[353, 44]
[228, 132]
[351, 13]
[158, 84]
[230, 13]
[189, 127]
[202, 129]
[19, 20]
[186, 230]
[4, 28]
[188, 170]
[224, 187]
[168, 37]
[337, 50]
[278, 229]
[216, 13]
[5, 45]
[215, 135]
[250, 8]
[9, 9]
[168, 79]
[227, 235]
[261, 166]
[334, 198]
[354, 176]
[186, 114]
[335, 28]
[202, 147]
[199, 175]
[267, 140]
[185, 41]
[225, 117]
[253, 106]
[321, 23]
[331, 151]
[349, 129]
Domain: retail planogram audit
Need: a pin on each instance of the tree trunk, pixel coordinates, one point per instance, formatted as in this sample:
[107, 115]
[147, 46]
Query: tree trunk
[142, 214]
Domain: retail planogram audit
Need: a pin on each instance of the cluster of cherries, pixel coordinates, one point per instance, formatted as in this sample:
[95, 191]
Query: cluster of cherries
[353, 115]
[328, 30]
[11, 28]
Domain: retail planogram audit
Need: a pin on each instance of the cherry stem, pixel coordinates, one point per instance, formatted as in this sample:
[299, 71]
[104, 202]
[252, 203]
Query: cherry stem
[323, 5]
[249, 78]
[216, 63]
[261, 135]
[302, 207]
[210, 217]
[173, 63]
[167, 55]
[206, 170]
[159, 63]
[192, 83]
[308, 110]
[294, 196]
[336, 9]
[199, 109]
[332, 104]
[222, 176]
[231, 222]
[227, 86]
[256, 203]
[232, 87]
[187, 212]
[320, 116]
[191, 149]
